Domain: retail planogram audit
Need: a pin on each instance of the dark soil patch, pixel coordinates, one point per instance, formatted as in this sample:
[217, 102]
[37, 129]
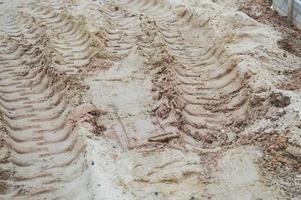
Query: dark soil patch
[261, 11]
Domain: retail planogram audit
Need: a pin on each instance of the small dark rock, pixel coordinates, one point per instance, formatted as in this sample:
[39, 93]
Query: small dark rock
[279, 100]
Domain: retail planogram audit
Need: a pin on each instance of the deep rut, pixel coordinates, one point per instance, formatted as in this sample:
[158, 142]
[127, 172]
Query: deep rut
[205, 93]
[45, 152]
[143, 105]
[71, 46]
[208, 95]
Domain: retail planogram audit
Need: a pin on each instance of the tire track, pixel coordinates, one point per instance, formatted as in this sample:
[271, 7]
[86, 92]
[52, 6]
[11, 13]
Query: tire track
[72, 44]
[120, 29]
[143, 150]
[46, 153]
[206, 91]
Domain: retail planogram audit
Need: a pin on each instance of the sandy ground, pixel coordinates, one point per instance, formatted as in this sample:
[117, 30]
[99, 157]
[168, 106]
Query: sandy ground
[148, 99]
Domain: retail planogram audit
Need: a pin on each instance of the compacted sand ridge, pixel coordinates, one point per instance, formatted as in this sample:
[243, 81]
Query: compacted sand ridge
[146, 99]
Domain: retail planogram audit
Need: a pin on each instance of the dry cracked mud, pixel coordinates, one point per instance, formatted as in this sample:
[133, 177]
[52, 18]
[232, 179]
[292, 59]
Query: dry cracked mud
[146, 99]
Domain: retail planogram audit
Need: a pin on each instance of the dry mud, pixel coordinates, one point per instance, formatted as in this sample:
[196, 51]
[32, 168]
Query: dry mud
[146, 99]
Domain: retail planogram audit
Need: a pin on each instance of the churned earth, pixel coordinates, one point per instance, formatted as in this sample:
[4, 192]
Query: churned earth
[147, 99]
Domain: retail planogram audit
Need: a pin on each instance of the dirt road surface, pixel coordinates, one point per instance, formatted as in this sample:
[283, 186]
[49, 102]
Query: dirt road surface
[146, 99]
